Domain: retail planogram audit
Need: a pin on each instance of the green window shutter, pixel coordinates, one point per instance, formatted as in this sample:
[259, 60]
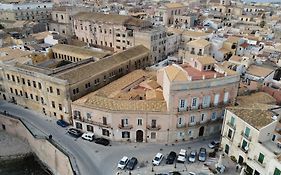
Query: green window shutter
[247, 132]
[261, 158]
[277, 172]
[232, 121]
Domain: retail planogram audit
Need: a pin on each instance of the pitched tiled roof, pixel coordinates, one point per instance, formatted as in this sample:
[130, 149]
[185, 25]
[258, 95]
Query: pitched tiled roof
[254, 115]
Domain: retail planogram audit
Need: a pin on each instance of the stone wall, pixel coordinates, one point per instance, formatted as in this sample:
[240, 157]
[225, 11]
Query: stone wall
[57, 161]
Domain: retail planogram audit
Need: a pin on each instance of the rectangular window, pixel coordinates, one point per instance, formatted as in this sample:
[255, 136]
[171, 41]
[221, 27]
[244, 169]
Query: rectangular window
[229, 134]
[60, 107]
[11, 89]
[26, 96]
[124, 122]
[37, 98]
[51, 89]
[225, 99]
[77, 113]
[247, 132]
[194, 102]
[153, 135]
[232, 121]
[214, 116]
[125, 134]
[261, 158]
[53, 104]
[104, 121]
[58, 91]
[153, 123]
[34, 84]
[23, 81]
[216, 99]
[105, 132]
[202, 117]
[31, 96]
[13, 78]
[139, 122]
[206, 101]
[182, 104]
[179, 120]
[192, 119]
[89, 116]
[78, 125]
[39, 85]
[90, 128]
[8, 76]
[28, 83]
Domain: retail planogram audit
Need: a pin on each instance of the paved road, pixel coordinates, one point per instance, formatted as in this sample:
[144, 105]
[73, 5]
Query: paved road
[93, 159]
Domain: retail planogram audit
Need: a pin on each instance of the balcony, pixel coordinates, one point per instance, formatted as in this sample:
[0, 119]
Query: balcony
[153, 127]
[249, 138]
[181, 125]
[244, 149]
[228, 138]
[194, 124]
[125, 127]
[100, 124]
[231, 125]
[256, 160]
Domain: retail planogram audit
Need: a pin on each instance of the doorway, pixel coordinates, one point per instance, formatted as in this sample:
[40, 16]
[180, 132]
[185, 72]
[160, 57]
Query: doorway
[201, 131]
[139, 135]
[240, 160]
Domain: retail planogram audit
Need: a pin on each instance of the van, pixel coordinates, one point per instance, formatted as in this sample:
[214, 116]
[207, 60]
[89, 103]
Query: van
[88, 136]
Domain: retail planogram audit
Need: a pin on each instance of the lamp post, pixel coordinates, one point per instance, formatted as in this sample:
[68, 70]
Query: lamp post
[152, 170]
[175, 164]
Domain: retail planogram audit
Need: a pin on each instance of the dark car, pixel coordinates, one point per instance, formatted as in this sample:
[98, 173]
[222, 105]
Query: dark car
[75, 132]
[62, 123]
[102, 141]
[171, 157]
[202, 155]
[132, 163]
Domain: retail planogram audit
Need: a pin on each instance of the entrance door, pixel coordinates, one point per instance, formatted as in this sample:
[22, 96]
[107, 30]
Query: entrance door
[201, 131]
[139, 137]
[240, 160]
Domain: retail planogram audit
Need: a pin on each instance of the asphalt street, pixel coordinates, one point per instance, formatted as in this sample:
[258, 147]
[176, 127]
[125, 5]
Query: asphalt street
[91, 158]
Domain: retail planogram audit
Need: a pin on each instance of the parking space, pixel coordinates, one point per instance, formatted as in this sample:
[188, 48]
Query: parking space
[109, 156]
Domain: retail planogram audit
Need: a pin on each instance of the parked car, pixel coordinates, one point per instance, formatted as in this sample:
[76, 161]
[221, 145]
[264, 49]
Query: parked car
[102, 141]
[182, 156]
[174, 173]
[214, 144]
[202, 154]
[88, 136]
[132, 163]
[157, 159]
[192, 156]
[171, 157]
[191, 173]
[62, 123]
[123, 162]
[75, 132]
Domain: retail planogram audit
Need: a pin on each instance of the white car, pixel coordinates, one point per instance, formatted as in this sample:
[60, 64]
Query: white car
[88, 136]
[192, 156]
[214, 144]
[123, 162]
[182, 156]
[157, 159]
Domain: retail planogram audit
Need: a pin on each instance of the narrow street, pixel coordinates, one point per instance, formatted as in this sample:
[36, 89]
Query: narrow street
[97, 159]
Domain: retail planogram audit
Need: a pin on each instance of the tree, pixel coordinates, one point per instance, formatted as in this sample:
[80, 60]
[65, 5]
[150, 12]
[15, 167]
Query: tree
[1, 26]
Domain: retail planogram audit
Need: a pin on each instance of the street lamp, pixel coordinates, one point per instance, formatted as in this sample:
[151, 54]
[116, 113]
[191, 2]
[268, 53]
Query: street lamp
[175, 164]
[152, 170]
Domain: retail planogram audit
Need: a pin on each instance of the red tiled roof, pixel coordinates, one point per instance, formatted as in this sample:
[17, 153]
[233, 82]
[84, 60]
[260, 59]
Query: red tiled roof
[244, 45]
